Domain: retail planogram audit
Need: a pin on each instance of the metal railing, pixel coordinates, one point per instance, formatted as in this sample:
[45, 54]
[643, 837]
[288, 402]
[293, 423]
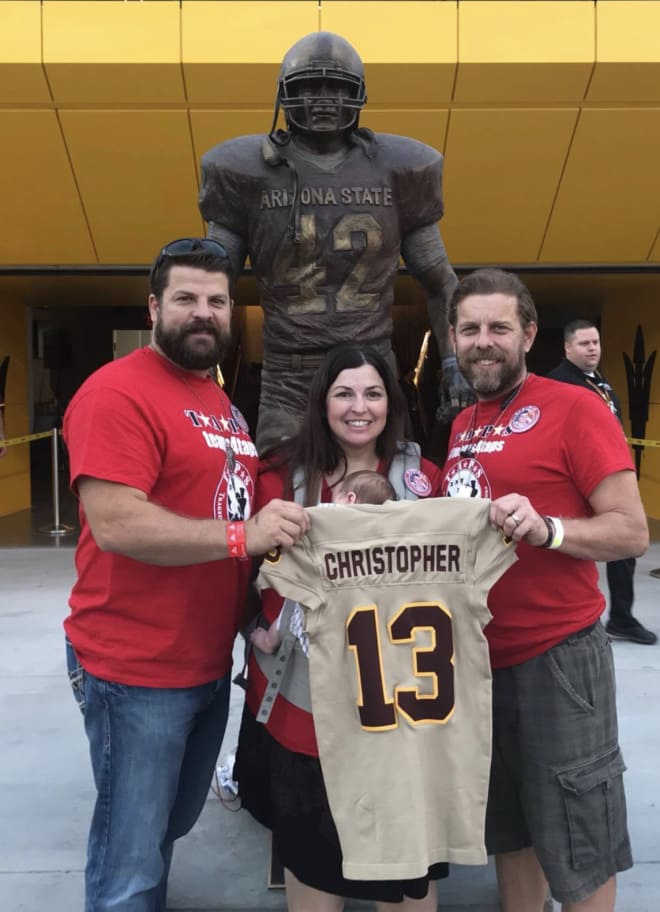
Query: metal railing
[57, 528]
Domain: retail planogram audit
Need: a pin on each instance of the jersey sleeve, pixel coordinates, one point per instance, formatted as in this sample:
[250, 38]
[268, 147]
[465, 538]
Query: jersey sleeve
[293, 574]
[602, 449]
[417, 181]
[110, 438]
[225, 176]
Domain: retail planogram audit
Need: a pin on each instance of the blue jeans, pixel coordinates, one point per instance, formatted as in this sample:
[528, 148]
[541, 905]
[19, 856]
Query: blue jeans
[153, 753]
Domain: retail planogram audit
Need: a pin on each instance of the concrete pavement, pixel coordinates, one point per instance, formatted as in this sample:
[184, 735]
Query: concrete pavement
[46, 790]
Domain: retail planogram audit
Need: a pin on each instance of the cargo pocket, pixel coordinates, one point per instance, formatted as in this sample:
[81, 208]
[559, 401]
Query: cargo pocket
[76, 676]
[595, 807]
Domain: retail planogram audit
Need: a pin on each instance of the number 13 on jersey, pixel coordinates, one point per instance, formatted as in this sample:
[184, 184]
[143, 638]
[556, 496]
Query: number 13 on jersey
[434, 663]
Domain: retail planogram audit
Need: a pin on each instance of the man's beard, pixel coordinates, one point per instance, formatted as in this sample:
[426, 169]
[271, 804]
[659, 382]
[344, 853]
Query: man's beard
[178, 347]
[490, 382]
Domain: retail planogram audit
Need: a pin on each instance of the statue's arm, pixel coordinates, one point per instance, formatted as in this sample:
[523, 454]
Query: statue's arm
[424, 254]
[234, 244]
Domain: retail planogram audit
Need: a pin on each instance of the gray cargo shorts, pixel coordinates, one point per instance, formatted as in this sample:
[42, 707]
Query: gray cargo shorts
[557, 772]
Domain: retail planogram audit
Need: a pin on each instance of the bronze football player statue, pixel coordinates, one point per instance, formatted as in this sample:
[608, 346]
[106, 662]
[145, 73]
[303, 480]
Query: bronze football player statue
[324, 209]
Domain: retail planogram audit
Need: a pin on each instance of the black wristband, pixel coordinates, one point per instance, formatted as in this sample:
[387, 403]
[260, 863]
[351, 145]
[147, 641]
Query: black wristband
[550, 526]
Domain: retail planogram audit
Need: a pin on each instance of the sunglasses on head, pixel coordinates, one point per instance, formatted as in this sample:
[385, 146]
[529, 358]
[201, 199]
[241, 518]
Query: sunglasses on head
[183, 246]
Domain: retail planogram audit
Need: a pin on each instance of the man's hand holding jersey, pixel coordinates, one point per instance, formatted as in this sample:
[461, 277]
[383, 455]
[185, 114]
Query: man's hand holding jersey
[277, 525]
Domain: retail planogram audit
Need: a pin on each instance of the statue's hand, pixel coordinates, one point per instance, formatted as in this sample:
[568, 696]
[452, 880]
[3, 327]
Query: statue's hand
[454, 393]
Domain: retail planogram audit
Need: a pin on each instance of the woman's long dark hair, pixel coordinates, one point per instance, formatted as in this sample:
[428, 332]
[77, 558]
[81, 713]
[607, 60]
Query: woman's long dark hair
[314, 448]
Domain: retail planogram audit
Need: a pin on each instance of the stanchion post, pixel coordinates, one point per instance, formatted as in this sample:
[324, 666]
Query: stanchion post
[57, 528]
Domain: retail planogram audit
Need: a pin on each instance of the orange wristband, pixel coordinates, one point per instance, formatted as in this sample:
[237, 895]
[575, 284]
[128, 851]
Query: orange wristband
[236, 540]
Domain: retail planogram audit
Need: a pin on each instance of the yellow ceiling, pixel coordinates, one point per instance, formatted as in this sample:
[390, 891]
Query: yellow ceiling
[548, 114]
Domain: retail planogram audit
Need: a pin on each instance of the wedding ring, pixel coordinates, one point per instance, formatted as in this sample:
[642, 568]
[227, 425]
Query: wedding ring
[516, 519]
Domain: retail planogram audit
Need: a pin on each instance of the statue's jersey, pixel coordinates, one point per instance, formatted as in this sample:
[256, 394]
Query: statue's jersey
[349, 212]
[400, 675]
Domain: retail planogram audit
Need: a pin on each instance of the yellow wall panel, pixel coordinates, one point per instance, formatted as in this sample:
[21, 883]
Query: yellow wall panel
[232, 51]
[628, 30]
[22, 83]
[104, 51]
[526, 31]
[22, 78]
[20, 32]
[409, 48]
[43, 220]
[15, 492]
[515, 51]
[104, 31]
[409, 84]
[231, 83]
[115, 83]
[214, 31]
[609, 200]
[522, 83]
[625, 82]
[655, 250]
[400, 31]
[140, 190]
[627, 51]
[15, 464]
[502, 168]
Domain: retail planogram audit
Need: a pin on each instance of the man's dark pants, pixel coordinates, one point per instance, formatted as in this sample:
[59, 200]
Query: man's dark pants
[620, 581]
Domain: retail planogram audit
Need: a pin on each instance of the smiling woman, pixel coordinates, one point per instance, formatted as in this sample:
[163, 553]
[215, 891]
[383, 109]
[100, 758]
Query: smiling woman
[356, 408]
[354, 420]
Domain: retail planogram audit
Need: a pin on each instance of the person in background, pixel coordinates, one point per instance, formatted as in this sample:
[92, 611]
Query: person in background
[582, 352]
[562, 483]
[165, 471]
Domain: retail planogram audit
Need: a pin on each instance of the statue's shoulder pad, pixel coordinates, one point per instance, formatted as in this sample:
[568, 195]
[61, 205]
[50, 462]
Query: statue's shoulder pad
[242, 153]
[406, 151]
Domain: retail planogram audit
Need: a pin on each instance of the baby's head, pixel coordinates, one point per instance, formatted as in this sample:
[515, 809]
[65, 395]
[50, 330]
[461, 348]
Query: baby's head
[363, 487]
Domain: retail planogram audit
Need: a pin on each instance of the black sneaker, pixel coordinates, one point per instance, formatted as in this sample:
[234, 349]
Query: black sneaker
[636, 633]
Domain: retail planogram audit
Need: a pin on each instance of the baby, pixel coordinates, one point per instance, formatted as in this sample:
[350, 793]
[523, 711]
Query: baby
[358, 487]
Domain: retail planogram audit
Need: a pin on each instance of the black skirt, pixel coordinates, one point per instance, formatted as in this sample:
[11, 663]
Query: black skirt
[284, 791]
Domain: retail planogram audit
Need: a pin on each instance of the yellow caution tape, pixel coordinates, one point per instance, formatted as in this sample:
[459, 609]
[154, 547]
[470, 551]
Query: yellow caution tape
[637, 441]
[14, 441]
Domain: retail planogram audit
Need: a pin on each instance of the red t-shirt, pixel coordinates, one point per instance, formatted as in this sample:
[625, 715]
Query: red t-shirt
[554, 444]
[141, 421]
[288, 724]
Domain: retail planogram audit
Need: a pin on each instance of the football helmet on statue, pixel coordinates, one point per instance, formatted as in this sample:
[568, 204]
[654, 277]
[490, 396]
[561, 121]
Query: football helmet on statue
[321, 85]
